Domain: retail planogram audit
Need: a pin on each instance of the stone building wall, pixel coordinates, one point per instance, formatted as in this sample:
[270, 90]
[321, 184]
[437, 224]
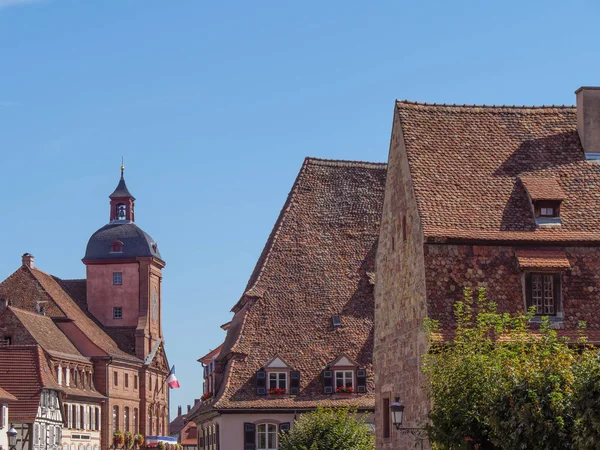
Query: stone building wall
[449, 268]
[400, 304]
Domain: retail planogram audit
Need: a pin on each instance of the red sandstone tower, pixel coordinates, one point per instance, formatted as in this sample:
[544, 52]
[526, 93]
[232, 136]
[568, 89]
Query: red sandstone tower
[124, 275]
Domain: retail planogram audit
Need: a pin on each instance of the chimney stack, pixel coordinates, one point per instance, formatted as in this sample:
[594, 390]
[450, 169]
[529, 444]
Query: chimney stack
[189, 409]
[178, 410]
[196, 400]
[588, 120]
[27, 260]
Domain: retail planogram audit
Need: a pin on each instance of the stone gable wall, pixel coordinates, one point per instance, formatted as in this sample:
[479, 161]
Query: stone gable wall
[400, 304]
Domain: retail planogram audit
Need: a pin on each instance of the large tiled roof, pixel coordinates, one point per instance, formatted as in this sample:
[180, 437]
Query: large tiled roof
[26, 282]
[465, 164]
[45, 332]
[316, 263]
[24, 371]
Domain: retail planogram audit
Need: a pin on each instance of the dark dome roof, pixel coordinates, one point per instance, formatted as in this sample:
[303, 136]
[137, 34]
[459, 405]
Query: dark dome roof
[136, 242]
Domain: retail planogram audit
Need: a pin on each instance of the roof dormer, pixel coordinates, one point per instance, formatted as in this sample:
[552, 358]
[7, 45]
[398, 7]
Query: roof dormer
[546, 196]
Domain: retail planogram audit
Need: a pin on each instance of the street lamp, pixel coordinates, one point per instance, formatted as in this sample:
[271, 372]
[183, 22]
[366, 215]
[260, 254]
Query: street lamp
[397, 410]
[397, 413]
[12, 437]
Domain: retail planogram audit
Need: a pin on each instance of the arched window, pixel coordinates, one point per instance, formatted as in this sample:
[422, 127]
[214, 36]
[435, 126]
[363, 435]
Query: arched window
[121, 211]
[115, 418]
[126, 418]
[266, 436]
[135, 420]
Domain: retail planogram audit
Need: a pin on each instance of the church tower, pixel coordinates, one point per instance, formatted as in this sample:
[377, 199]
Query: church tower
[124, 275]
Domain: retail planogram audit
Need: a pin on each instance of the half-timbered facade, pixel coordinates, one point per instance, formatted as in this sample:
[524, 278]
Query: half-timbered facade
[37, 411]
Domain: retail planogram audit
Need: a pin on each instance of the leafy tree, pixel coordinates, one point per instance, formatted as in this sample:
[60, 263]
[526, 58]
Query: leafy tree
[329, 429]
[499, 384]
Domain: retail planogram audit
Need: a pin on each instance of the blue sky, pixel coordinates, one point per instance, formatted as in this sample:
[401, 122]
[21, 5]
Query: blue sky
[215, 105]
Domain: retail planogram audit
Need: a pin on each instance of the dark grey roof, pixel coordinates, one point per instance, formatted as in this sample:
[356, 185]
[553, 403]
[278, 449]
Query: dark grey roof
[136, 242]
[121, 190]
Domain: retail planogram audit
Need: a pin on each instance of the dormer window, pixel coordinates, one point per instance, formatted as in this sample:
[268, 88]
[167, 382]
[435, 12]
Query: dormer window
[546, 196]
[116, 247]
[277, 378]
[343, 376]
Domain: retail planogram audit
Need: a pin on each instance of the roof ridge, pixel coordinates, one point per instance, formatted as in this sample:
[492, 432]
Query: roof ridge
[344, 163]
[538, 108]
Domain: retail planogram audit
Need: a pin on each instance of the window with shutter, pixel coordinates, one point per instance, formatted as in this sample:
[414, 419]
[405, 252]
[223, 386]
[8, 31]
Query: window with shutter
[249, 436]
[361, 381]
[294, 382]
[327, 381]
[261, 382]
[217, 438]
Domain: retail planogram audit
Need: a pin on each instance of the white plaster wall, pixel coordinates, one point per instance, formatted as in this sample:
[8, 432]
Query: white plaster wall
[4, 427]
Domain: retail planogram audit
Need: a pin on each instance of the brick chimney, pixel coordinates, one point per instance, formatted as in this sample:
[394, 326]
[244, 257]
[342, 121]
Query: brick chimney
[27, 260]
[196, 400]
[189, 409]
[178, 410]
[588, 120]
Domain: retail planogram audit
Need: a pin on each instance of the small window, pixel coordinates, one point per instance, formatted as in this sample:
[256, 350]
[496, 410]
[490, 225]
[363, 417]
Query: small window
[118, 278]
[344, 380]
[386, 418]
[547, 212]
[118, 312]
[277, 381]
[116, 247]
[126, 380]
[7, 340]
[543, 293]
[115, 378]
[337, 321]
[135, 382]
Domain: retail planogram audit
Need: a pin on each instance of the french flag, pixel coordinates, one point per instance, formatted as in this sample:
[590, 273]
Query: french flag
[172, 379]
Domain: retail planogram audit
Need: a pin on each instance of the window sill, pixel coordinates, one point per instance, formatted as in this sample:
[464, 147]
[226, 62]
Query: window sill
[556, 322]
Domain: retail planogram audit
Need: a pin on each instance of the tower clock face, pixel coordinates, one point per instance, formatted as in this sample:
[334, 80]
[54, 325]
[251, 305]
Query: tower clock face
[154, 305]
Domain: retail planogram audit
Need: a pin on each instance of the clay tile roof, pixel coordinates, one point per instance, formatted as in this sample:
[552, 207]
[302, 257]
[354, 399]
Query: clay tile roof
[88, 326]
[45, 332]
[465, 162]
[210, 355]
[6, 395]
[24, 371]
[315, 264]
[542, 188]
[548, 259]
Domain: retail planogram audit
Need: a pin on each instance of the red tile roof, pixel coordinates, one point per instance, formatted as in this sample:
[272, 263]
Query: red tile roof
[24, 371]
[6, 395]
[210, 355]
[543, 259]
[465, 162]
[542, 188]
[45, 332]
[316, 263]
[36, 282]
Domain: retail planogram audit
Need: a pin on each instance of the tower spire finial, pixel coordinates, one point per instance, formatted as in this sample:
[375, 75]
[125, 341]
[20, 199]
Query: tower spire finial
[122, 166]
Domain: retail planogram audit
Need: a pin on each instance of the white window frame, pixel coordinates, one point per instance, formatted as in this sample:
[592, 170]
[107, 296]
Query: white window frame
[117, 278]
[266, 433]
[278, 379]
[344, 373]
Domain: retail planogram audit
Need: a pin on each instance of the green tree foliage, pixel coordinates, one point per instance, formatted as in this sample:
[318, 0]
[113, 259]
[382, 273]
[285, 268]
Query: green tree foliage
[498, 384]
[329, 429]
